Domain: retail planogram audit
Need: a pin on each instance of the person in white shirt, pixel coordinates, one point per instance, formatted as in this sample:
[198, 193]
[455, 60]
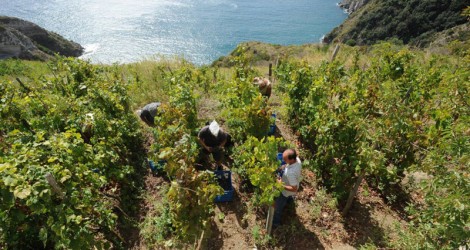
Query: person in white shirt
[291, 174]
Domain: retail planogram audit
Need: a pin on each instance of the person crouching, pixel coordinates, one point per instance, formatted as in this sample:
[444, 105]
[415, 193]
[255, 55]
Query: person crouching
[213, 140]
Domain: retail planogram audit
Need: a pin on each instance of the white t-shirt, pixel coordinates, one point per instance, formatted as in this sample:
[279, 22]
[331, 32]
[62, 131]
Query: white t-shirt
[291, 176]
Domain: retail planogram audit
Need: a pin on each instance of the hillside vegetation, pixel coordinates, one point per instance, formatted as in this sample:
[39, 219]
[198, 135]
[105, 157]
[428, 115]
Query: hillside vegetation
[385, 125]
[410, 21]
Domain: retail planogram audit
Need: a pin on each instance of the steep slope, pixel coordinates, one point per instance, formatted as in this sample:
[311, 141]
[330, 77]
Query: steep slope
[412, 21]
[26, 40]
[458, 33]
[352, 5]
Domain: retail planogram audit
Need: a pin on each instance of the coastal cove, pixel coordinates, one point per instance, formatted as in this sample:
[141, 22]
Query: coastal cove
[200, 31]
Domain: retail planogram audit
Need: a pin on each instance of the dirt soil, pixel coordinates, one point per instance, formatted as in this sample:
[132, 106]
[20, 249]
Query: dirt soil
[229, 227]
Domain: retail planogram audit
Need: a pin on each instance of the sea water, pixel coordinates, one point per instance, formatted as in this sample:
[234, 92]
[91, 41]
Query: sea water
[198, 30]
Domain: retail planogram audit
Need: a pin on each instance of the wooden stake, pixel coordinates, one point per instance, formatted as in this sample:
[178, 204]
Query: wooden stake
[30, 91]
[270, 73]
[55, 187]
[353, 193]
[335, 52]
[269, 220]
[199, 243]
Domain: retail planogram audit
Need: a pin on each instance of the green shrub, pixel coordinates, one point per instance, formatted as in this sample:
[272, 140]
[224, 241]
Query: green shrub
[75, 125]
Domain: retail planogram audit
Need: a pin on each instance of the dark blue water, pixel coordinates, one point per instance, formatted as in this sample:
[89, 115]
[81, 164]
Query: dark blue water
[201, 31]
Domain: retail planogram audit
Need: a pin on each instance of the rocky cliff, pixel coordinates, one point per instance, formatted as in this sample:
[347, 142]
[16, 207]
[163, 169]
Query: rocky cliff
[26, 40]
[352, 5]
[413, 22]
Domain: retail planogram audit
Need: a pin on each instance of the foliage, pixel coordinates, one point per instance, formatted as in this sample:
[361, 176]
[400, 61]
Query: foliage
[356, 121]
[250, 120]
[397, 115]
[261, 238]
[77, 126]
[445, 215]
[157, 227]
[466, 12]
[257, 160]
[191, 202]
[245, 110]
[321, 203]
[191, 194]
[412, 21]
[182, 96]
[11, 67]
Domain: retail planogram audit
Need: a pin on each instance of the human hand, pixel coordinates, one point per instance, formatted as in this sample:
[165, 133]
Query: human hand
[279, 180]
[279, 171]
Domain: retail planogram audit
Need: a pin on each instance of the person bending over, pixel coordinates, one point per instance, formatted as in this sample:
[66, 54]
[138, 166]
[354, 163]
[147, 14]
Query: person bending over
[148, 113]
[264, 86]
[213, 140]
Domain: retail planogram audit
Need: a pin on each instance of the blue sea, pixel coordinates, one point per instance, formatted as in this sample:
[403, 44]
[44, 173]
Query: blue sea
[199, 30]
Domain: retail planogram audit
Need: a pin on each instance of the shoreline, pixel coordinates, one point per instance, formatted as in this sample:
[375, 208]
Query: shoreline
[272, 49]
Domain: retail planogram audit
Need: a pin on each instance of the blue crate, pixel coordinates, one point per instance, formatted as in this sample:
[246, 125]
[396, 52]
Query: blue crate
[272, 129]
[152, 166]
[156, 167]
[228, 193]
[279, 157]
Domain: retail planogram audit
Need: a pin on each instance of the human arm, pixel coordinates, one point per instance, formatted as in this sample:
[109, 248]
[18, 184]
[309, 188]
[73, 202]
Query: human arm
[280, 170]
[224, 142]
[202, 138]
[291, 178]
[201, 141]
[291, 188]
[268, 90]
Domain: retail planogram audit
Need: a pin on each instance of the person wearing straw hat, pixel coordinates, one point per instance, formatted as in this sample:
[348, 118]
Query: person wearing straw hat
[213, 140]
[264, 86]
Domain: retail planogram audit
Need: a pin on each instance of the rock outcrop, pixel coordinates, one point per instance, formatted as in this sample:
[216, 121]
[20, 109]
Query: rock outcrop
[352, 5]
[26, 40]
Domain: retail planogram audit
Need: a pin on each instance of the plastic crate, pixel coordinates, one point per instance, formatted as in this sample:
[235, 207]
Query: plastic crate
[279, 157]
[156, 168]
[272, 127]
[224, 178]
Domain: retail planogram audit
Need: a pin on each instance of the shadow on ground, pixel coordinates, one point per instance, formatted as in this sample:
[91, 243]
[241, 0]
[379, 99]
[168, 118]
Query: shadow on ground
[362, 228]
[228, 229]
[292, 234]
[128, 211]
